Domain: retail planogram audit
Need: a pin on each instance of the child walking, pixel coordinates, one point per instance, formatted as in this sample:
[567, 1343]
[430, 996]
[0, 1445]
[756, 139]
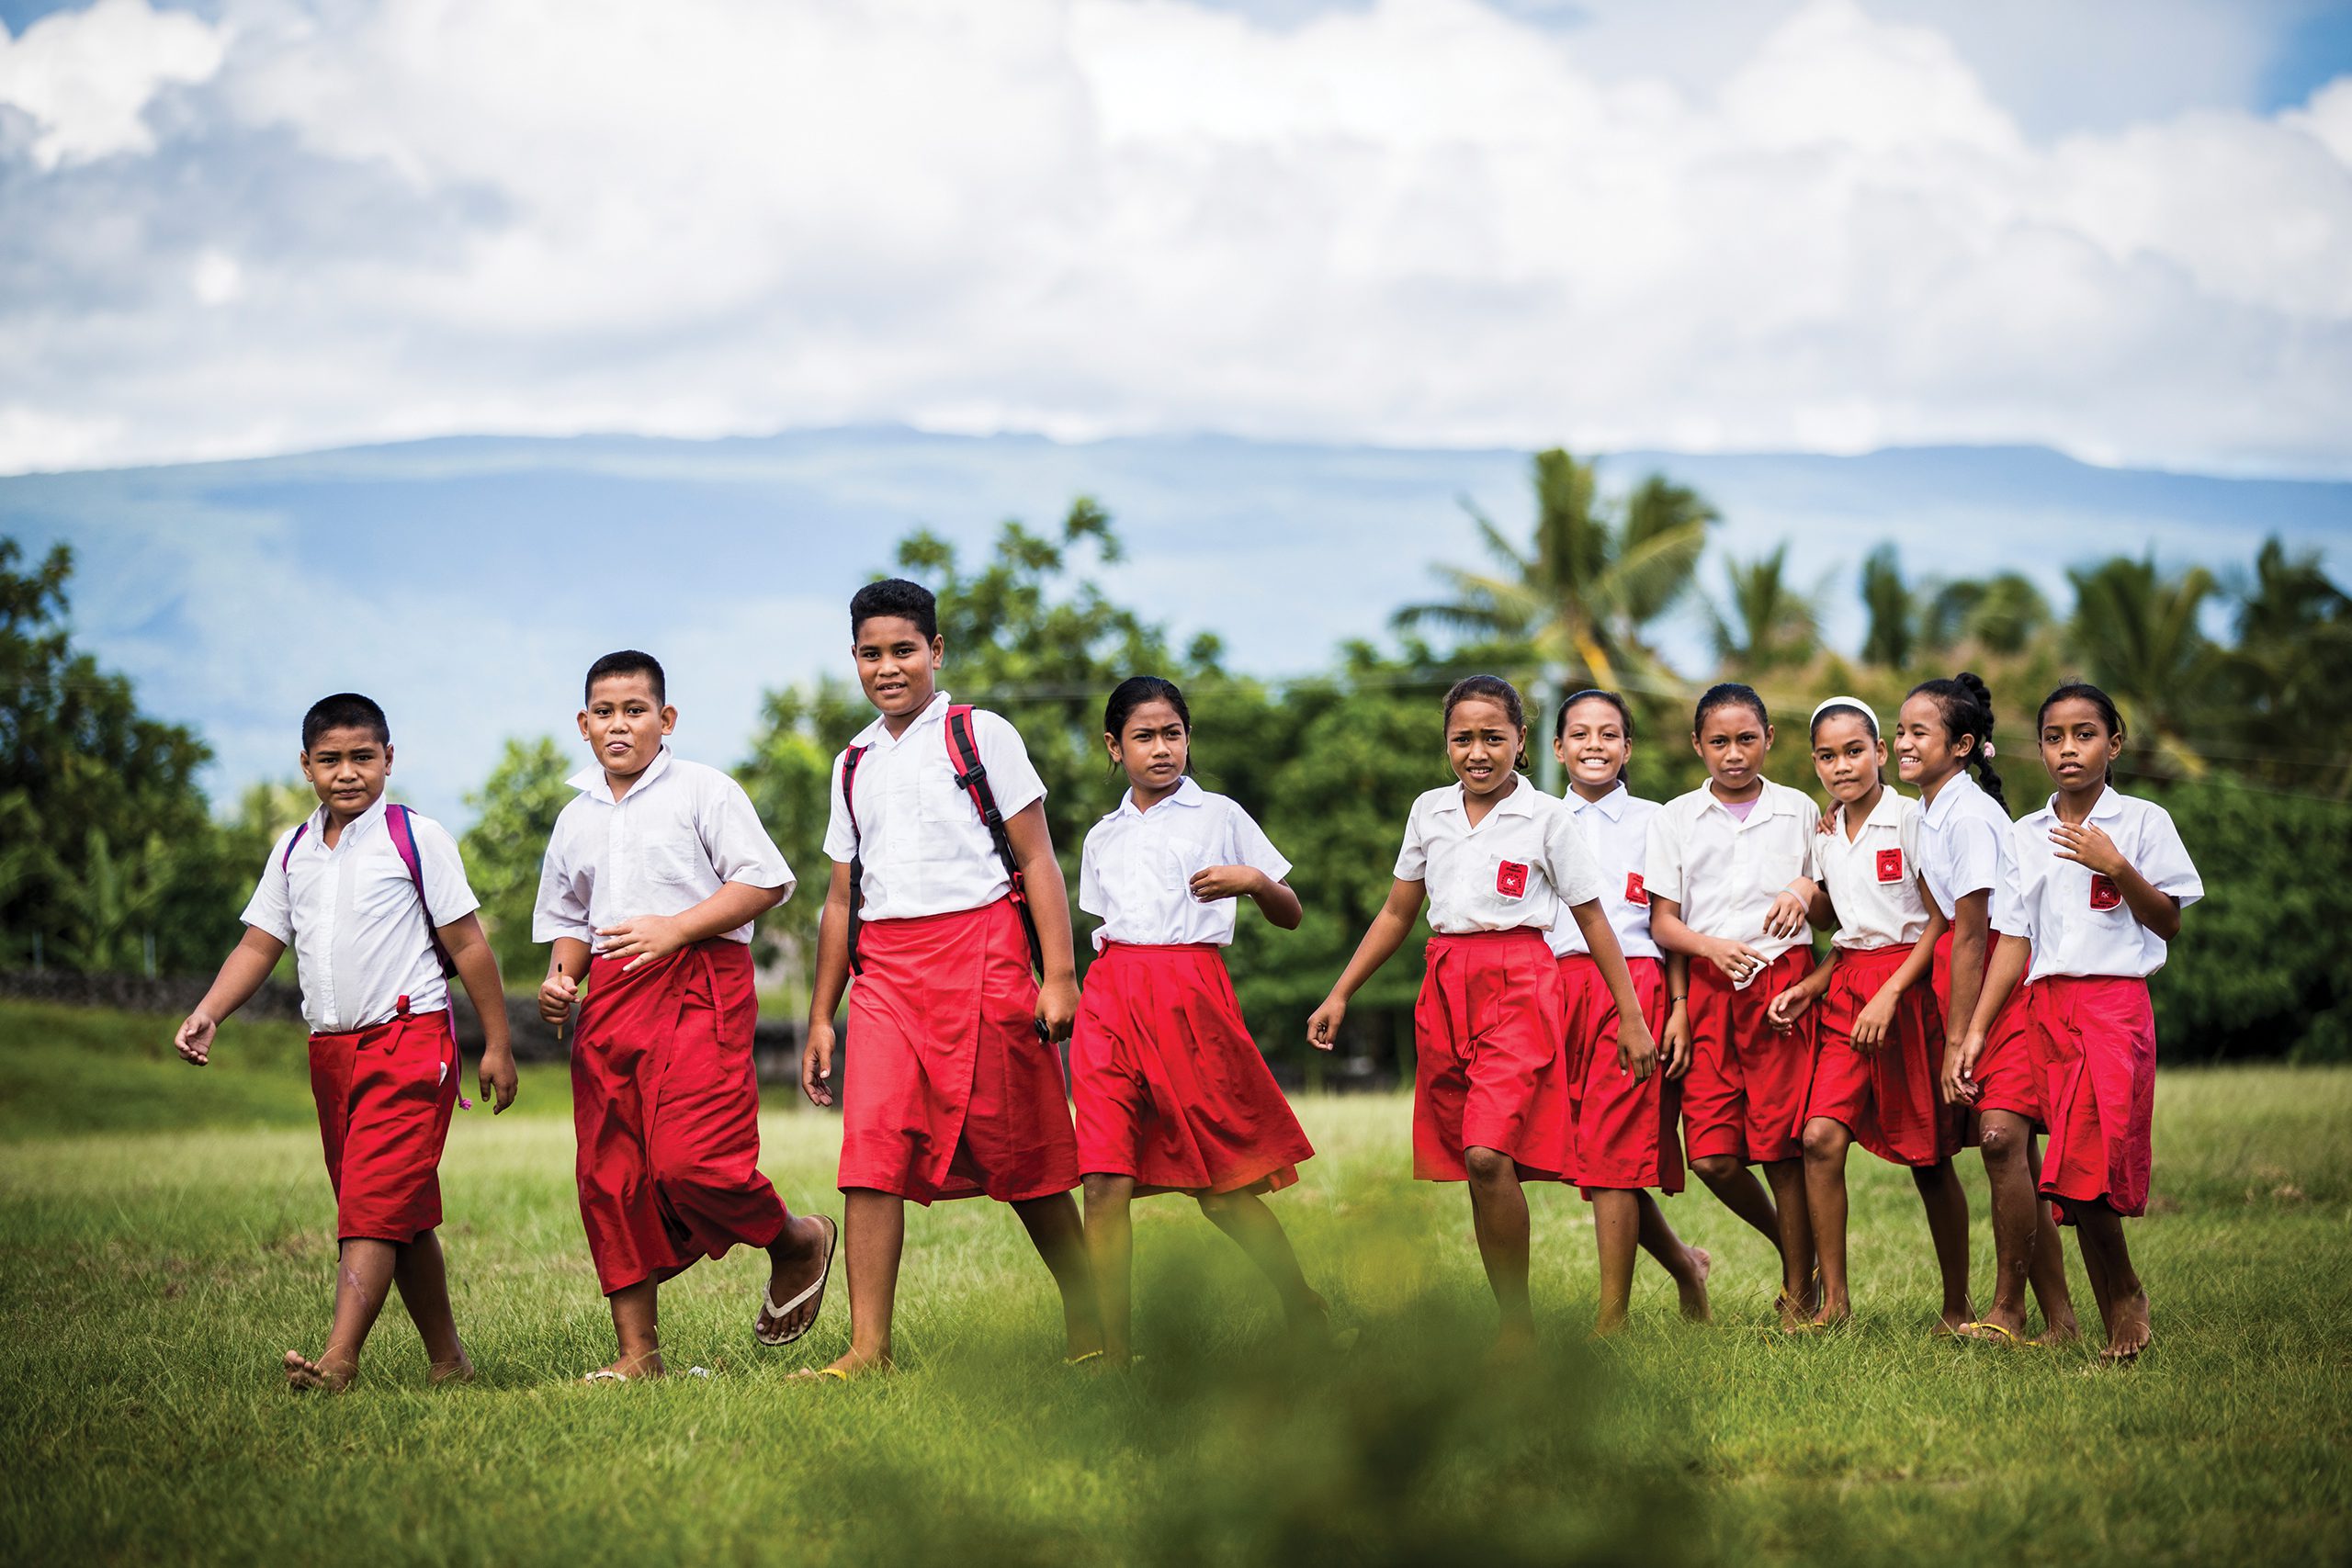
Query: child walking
[1172, 1094]
[1496, 859]
[2092, 898]
[373, 899]
[1879, 1045]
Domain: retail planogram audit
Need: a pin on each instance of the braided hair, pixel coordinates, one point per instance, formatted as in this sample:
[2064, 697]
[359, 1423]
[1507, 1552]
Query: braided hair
[1966, 705]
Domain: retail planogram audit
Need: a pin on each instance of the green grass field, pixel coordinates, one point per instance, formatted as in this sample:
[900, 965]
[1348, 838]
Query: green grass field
[165, 1234]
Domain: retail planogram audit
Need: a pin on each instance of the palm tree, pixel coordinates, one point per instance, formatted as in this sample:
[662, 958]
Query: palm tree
[1893, 609]
[2292, 670]
[2000, 614]
[2136, 633]
[1767, 622]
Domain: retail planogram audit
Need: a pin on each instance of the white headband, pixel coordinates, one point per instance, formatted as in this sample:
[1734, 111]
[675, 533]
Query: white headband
[1844, 702]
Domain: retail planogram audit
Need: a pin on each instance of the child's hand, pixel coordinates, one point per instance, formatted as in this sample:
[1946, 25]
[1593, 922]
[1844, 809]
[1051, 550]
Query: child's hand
[1960, 1084]
[1212, 883]
[1828, 823]
[1058, 1008]
[2088, 846]
[1736, 960]
[1636, 1052]
[1872, 1024]
[816, 1065]
[1791, 1005]
[1786, 917]
[1675, 1044]
[643, 939]
[498, 1081]
[1323, 1029]
[194, 1040]
[556, 994]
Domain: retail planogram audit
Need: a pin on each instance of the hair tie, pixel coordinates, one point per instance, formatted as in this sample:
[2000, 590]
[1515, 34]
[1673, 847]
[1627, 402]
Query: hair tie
[1986, 747]
[1844, 702]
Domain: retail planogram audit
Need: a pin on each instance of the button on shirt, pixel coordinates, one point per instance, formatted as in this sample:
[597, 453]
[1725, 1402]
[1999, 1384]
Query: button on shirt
[926, 851]
[1523, 860]
[1725, 873]
[1138, 866]
[1617, 830]
[683, 831]
[1963, 842]
[2077, 919]
[1874, 879]
[352, 918]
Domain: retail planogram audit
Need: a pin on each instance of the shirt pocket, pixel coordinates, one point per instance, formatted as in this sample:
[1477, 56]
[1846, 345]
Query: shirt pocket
[673, 854]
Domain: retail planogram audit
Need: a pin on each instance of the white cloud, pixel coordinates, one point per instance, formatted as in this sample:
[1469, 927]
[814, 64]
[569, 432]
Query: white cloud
[86, 77]
[1417, 220]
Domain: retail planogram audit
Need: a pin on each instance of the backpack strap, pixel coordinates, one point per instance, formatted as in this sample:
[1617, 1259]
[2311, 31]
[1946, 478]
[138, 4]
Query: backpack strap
[404, 832]
[964, 756]
[285, 861]
[857, 857]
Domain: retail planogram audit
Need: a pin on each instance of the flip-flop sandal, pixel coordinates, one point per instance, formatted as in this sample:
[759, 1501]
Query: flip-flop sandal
[817, 1374]
[1990, 1334]
[771, 1312]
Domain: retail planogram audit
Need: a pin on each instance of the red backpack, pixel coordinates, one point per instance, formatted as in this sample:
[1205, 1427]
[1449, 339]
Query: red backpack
[404, 832]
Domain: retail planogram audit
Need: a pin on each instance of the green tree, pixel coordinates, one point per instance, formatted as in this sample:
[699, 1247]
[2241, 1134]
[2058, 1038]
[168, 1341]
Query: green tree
[1765, 622]
[2135, 631]
[504, 848]
[1893, 629]
[2002, 614]
[2291, 673]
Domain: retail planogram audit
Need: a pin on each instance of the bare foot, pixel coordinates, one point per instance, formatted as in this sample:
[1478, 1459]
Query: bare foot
[799, 1260]
[1514, 1343]
[2065, 1333]
[1949, 1323]
[1691, 1285]
[2130, 1332]
[459, 1371]
[629, 1369]
[303, 1375]
[1833, 1313]
[847, 1368]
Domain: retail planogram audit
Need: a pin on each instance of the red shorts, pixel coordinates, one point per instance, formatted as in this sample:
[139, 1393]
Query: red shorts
[2005, 1072]
[666, 1109]
[1491, 1069]
[385, 1096]
[1889, 1099]
[1171, 1088]
[1744, 1093]
[948, 1091]
[2094, 1044]
[1624, 1131]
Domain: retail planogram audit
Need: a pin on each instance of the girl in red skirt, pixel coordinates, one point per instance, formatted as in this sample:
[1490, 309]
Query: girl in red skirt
[1878, 1044]
[2094, 891]
[1172, 1094]
[1627, 1141]
[1496, 860]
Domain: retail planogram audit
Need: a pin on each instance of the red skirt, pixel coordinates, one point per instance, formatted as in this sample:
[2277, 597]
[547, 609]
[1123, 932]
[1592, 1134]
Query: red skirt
[1624, 1131]
[666, 1111]
[949, 1092]
[1889, 1098]
[2005, 1072]
[2094, 1044]
[385, 1096]
[1492, 1062]
[1171, 1088]
[1744, 1093]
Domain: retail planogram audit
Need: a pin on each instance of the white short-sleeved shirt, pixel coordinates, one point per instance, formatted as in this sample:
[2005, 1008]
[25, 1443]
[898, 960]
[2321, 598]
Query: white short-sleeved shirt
[1964, 844]
[2077, 919]
[1726, 873]
[1873, 879]
[926, 851]
[1138, 866]
[1523, 860]
[683, 831]
[352, 916]
[1617, 830]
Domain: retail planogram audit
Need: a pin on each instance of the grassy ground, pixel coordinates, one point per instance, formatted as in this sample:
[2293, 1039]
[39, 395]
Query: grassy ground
[165, 1234]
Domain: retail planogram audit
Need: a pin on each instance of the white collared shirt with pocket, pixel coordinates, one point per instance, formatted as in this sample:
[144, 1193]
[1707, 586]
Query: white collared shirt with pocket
[1873, 880]
[1137, 868]
[925, 848]
[683, 831]
[2076, 918]
[1725, 873]
[352, 916]
[1964, 844]
[1523, 860]
[1617, 830]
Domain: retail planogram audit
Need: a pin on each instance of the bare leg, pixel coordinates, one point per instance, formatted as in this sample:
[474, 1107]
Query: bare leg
[637, 1326]
[1110, 1243]
[2099, 1229]
[1826, 1143]
[2048, 1268]
[1499, 1216]
[2006, 1144]
[796, 1261]
[1947, 1205]
[1786, 1177]
[424, 1290]
[874, 1230]
[1728, 1177]
[1254, 1227]
[1688, 1266]
[363, 1278]
[1059, 1236]
[1616, 1230]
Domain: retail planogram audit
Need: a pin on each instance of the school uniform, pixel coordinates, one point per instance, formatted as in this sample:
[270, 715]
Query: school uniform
[1964, 849]
[1170, 1087]
[1490, 1024]
[665, 1105]
[1626, 1133]
[949, 1091]
[1888, 1098]
[384, 1064]
[1745, 1092]
[2088, 1023]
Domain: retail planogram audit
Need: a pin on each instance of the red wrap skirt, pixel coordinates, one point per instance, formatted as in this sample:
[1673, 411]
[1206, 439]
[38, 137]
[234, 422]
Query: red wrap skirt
[666, 1109]
[1625, 1135]
[1744, 1093]
[385, 1096]
[1492, 1062]
[1171, 1088]
[2005, 1072]
[2094, 1043]
[948, 1091]
[1889, 1098]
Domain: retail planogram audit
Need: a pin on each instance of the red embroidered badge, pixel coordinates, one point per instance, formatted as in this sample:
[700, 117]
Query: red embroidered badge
[1510, 879]
[1890, 865]
[1635, 892]
[2105, 894]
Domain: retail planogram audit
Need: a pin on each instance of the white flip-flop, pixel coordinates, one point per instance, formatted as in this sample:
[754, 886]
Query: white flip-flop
[770, 1310]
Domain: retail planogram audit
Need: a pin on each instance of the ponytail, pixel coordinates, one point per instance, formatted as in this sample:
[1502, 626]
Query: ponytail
[1966, 705]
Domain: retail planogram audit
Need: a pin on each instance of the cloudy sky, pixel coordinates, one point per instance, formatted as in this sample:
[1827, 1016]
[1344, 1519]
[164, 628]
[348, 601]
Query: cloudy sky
[2117, 227]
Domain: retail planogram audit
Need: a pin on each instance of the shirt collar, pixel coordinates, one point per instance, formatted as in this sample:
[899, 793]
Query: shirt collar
[1188, 793]
[1768, 803]
[360, 824]
[590, 780]
[1520, 802]
[878, 732]
[1887, 813]
[1959, 785]
[2106, 808]
[1611, 805]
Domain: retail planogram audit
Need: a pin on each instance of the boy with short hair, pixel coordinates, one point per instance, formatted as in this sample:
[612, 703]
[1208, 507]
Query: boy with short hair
[653, 875]
[956, 1089]
[357, 890]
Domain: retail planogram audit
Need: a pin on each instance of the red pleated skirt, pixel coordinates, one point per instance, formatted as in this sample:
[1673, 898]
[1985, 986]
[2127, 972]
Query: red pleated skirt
[1744, 1093]
[1889, 1098]
[1492, 1065]
[2094, 1044]
[1625, 1132]
[2005, 1072]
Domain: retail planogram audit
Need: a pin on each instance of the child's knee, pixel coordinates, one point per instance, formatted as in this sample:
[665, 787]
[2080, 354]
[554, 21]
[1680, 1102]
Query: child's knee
[2000, 1143]
[1825, 1141]
[1101, 1187]
[1717, 1167]
[1217, 1205]
[1488, 1166]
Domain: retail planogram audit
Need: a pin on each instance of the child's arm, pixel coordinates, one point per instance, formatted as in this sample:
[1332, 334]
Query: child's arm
[1790, 1005]
[247, 965]
[825, 991]
[1877, 1017]
[1674, 1045]
[1387, 932]
[567, 967]
[1636, 1052]
[1971, 934]
[2009, 961]
[2088, 845]
[1274, 899]
[649, 937]
[469, 949]
[1734, 959]
[1041, 877]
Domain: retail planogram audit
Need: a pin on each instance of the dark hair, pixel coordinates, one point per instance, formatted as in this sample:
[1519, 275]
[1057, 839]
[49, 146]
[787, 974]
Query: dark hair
[626, 661]
[896, 596]
[345, 710]
[1136, 690]
[1965, 703]
[2088, 693]
[1590, 694]
[1493, 689]
[1869, 722]
[1728, 694]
